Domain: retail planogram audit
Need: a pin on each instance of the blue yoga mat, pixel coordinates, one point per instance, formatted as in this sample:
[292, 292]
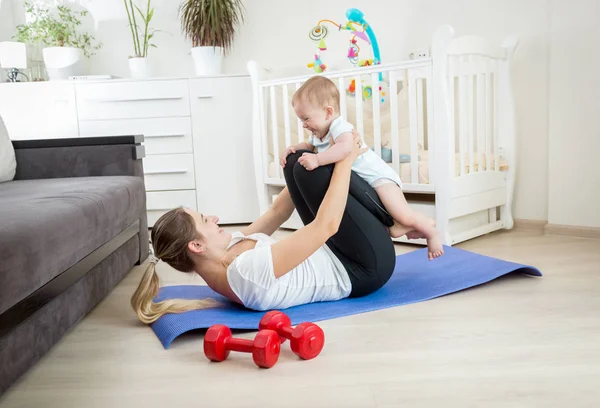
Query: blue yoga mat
[415, 279]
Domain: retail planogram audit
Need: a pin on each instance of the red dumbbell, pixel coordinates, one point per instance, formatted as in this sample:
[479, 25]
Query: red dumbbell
[307, 339]
[265, 347]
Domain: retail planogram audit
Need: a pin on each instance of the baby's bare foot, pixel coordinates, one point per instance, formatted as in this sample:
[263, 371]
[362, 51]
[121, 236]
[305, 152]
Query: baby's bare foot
[416, 234]
[435, 247]
[397, 230]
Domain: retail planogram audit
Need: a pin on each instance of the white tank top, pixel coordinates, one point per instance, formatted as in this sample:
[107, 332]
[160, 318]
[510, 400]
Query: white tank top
[321, 277]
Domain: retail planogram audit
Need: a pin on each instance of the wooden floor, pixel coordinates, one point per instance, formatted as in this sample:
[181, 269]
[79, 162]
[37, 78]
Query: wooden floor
[514, 342]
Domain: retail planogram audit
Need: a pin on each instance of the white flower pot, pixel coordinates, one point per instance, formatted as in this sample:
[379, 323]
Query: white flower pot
[140, 68]
[208, 60]
[63, 62]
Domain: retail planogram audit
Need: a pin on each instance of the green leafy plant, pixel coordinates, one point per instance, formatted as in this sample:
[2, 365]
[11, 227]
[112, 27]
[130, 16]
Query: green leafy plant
[140, 45]
[56, 29]
[211, 22]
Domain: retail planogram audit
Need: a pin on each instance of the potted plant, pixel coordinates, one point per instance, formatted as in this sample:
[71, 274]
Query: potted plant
[141, 35]
[65, 47]
[211, 26]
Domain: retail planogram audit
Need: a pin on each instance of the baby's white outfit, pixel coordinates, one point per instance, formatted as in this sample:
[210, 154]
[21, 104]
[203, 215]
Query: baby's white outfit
[368, 165]
[251, 276]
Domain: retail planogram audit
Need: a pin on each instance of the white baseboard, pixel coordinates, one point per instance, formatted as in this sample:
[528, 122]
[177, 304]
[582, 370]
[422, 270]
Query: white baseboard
[542, 227]
[572, 231]
[530, 225]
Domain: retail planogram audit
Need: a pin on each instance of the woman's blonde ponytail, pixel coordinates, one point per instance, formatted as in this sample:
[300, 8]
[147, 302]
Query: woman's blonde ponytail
[149, 311]
[170, 236]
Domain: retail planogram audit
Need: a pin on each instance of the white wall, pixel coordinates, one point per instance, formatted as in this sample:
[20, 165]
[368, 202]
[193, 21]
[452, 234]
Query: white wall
[7, 24]
[574, 166]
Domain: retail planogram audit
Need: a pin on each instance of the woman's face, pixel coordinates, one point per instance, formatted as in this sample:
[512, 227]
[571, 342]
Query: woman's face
[209, 230]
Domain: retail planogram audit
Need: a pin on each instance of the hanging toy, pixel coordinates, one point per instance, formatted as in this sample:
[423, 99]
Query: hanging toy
[318, 34]
[353, 51]
[367, 91]
[366, 63]
[352, 87]
[357, 16]
[318, 65]
[360, 30]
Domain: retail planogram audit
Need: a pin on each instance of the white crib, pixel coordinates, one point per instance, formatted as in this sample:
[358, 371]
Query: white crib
[446, 125]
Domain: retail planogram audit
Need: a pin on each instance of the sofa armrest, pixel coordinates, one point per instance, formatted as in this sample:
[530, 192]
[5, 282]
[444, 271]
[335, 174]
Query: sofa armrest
[79, 157]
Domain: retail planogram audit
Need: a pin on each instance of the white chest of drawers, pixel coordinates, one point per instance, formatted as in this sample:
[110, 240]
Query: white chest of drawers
[197, 136]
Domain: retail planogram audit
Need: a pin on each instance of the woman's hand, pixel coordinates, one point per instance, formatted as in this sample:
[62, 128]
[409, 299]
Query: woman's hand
[288, 150]
[356, 149]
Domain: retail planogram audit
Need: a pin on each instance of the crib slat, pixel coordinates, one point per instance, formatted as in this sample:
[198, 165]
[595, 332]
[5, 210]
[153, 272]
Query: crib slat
[489, 103]
[481, 118]
[376, 113]
[359, 108]
[496, 117]
[430, 131]
[274, 132]
[263, 131]
[420, 111]
[394, 119]
[300, 128]
[343, 100]
[471, 119]
[462, 121]
[452, 64]
[489, 127]
[412, 115]
[286, 116]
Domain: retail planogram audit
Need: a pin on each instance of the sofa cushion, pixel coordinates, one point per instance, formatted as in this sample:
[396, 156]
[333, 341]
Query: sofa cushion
[8, 164]
[47, 226]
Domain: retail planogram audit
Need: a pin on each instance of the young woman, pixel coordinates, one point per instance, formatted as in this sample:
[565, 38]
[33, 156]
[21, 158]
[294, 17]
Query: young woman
[343, 250]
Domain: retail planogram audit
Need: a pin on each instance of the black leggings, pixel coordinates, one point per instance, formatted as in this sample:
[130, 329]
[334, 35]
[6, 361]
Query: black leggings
[362, 243]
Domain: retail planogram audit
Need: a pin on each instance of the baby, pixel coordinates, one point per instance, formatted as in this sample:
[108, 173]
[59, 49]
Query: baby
[317, 105]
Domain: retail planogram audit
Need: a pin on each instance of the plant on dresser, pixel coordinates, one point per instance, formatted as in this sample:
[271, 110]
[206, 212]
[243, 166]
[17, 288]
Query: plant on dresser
[58, 30]
[211, 26]
[142, 36]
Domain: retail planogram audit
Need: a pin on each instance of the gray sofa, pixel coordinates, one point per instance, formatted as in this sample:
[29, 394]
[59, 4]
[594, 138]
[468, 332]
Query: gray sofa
[72, 225]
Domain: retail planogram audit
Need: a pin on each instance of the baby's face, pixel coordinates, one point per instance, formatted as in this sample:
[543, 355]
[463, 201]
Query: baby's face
[314, 119]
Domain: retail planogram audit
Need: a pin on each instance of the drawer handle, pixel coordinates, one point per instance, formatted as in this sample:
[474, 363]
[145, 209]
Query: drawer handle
[153, 98]
[205, 96]
[156, 136]
[174, 171]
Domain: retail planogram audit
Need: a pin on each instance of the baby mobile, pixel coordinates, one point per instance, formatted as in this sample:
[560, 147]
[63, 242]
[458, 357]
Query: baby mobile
[360, 30]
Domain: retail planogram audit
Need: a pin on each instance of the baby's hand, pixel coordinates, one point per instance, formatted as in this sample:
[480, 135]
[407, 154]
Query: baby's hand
[309, 161]
[283, 159]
